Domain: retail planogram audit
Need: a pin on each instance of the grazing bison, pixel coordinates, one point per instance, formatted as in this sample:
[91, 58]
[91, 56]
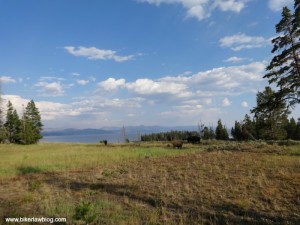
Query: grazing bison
[177, 144]
[193, 139]
[104, 142]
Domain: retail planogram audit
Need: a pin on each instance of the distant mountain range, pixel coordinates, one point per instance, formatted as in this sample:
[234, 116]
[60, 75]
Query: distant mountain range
[115, 130]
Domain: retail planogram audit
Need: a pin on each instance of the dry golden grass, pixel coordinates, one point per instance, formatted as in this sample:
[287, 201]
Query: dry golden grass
[199, 187]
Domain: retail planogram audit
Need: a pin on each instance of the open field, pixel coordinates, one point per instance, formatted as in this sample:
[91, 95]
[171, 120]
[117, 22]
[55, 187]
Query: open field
[217, 183]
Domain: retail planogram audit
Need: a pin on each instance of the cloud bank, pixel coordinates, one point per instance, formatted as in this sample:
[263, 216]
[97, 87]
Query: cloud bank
[242, 41]
[7, 79]
[201, 9]
[114, 101]
[97, 54]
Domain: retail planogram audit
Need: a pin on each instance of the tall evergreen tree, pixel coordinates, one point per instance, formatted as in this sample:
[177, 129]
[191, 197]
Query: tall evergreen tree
[236, 132]
[208, 133]
[12, 124]
[3, 134]
[31, 124]
[221, 131]
[248, 128]
[284, 69]
[271, 115]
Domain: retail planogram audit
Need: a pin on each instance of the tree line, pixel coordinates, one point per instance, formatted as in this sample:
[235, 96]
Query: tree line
[168, 136]
[24, 130]
[246, 130]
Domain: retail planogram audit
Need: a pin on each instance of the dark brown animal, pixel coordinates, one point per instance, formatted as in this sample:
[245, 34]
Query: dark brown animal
[193, 139]
[177, 144]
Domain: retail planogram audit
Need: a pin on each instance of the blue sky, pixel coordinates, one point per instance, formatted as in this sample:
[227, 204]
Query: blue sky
[136, 62]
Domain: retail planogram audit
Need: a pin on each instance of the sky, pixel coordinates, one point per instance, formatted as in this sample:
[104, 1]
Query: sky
[103, 63]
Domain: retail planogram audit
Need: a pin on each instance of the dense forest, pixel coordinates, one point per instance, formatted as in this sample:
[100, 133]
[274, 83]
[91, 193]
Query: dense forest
[246, 130]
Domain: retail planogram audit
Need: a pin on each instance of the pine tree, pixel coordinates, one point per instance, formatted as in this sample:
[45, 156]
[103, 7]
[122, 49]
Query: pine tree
[208, 133]
[31, 124]
[236, 132]
[12, 124]
[271, 115]
[3, 134]
[248, 129]
[284, 69]
[221, 131]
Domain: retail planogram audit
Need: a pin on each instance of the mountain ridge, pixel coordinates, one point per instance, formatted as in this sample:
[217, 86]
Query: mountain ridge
[142, 129]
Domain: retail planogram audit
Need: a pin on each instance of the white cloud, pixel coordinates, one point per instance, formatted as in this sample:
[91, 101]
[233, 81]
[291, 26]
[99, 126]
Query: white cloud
[146, 87]
[97, 54]
[222, 81]
[201, 9]
[50, 86]
[111, 84]
[16, 101]
[187, 110]
[235, 59]
[7, 79]
[48, 110]
[49, 78]
[51, 89]
[82, 82]
[93, 79]
[230, 80]
[245, 104]
[230, 5]
[75, 74]
[277, 5]
[188, 96]
[241, 41]
[197, 11]
[253, 24]
[56, 114]
[53, 110]
[226, 102]
[150, 87]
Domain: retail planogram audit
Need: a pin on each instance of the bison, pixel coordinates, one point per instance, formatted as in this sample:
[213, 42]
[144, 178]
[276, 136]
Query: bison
[104, 142]
[193, 139]
[177, 144]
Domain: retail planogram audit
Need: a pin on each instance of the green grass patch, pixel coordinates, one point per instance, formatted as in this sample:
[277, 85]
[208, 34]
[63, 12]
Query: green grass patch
[45, 157]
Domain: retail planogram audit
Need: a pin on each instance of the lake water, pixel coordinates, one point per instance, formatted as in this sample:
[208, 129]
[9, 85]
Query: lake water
[90, 138]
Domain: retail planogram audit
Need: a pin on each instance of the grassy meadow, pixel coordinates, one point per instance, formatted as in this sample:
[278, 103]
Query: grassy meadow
[149, 183]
